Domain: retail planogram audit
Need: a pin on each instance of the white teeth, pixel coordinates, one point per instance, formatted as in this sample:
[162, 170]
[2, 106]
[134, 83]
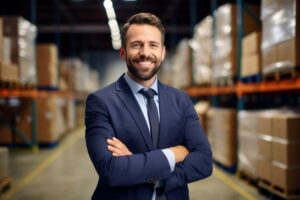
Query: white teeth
[145, 63]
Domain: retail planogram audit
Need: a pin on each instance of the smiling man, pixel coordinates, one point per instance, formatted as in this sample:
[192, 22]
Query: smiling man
[144, 137]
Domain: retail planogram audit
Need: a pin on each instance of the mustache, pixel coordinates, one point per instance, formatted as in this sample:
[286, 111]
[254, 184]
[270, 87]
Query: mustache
[144, 58]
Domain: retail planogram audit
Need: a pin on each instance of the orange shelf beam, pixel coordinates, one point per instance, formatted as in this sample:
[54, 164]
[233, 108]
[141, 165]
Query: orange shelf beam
[210, 91]
[245, 88]
[273, 86]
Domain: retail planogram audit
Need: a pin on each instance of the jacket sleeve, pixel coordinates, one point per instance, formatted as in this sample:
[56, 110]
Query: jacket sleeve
[146, 167]
[198, 164]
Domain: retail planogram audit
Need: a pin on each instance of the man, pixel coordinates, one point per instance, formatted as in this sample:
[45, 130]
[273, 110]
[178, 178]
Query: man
[144, 137]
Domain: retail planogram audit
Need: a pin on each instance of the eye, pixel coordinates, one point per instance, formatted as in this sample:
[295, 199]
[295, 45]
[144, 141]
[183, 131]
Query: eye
[136, 45]
[154, 45]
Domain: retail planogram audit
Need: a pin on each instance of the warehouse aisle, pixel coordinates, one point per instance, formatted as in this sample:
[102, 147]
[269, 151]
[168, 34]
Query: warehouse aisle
[66, 173]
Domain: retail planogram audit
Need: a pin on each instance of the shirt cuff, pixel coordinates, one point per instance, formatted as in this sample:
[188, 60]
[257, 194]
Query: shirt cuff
[171, 158]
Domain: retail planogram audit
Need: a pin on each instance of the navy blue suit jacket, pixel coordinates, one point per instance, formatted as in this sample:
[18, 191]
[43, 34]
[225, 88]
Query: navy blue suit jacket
[114, 111]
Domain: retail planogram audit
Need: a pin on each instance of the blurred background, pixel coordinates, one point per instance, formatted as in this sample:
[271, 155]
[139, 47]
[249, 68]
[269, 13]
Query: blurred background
[238, 61]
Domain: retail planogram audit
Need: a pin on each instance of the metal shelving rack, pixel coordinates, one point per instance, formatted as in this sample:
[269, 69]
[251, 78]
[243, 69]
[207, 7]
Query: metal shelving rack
[33, 95]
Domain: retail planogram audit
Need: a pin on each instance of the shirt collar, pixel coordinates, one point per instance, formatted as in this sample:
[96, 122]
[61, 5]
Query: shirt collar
[136, 87]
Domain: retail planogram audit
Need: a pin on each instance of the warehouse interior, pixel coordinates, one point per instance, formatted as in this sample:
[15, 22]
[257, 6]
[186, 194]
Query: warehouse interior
[237, 60]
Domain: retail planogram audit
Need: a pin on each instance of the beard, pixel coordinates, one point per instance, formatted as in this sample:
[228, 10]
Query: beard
[138, 73]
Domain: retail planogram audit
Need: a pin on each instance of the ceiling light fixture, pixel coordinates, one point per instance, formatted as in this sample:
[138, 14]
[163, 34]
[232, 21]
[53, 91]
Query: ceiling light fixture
[113, 24]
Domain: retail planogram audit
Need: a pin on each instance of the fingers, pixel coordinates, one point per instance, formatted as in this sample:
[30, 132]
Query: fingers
[180, 153]
[117, 147]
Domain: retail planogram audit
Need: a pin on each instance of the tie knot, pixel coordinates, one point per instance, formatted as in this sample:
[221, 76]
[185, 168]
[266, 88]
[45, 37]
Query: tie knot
[149, 93]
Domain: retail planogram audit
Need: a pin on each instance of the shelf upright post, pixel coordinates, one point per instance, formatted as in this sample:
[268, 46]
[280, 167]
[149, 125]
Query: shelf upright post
[213, 6]
[34, 145]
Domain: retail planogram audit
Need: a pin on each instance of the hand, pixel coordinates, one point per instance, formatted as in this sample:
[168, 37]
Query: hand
[117, 147]
[180, 152]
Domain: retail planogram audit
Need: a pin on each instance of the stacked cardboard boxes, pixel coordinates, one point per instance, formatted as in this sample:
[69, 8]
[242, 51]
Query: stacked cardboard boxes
[182, 65]
[251, 58]
[224, 43]
[47, 65]
[248, 142]
[280, 50]
[201, 52]
[76, 75]
[22, 34]
[279, 147]
[8, 71]
[222, 135]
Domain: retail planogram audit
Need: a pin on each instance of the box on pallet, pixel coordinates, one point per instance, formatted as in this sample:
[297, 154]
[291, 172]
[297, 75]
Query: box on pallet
[47, 65]
[9, 73]
[225, 42]
[50, 122]
[264, 169]
[280, 49]
[248, 142]
[286, 177]
[251, 43]
[201, 45]
[22, 34]
[251, 64]
[222, 134]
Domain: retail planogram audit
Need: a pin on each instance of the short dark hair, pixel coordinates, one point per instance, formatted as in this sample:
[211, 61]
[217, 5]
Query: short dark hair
[142, 18]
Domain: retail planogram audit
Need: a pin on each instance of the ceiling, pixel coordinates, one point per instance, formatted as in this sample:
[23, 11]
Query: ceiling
[78, 26]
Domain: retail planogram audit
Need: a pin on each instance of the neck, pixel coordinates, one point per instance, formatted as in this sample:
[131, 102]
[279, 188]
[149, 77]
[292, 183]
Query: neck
[145, 83]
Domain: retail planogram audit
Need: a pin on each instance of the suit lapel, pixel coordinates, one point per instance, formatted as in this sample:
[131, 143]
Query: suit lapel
[128, 99]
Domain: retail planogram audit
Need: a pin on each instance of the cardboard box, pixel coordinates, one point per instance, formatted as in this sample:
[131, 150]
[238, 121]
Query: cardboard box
[269, 57]
[264, 169]
[224, 136]
[9, 73]
[265, 124]
[47, 65]
[286, 178]
[287, 52]
[286, 126]
[47, 115]
[265, 147]
[4, 162]
[251, 64]
[286, 152]
[251, 43]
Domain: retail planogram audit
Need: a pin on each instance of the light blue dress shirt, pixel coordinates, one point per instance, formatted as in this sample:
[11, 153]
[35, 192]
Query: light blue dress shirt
[142, 101]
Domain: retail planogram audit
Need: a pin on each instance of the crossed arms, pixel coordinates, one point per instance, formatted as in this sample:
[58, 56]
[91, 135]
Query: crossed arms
[118, 166]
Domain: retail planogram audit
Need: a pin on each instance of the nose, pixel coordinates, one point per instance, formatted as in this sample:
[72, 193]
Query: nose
[145, 51]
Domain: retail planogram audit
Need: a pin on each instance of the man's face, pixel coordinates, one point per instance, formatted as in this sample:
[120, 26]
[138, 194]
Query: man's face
[144, 51]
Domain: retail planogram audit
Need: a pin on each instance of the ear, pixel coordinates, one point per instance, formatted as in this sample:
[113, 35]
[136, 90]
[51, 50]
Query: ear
[163, 53]
[123, 53]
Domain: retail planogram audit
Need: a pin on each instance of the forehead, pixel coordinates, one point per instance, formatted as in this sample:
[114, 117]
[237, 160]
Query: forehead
[143, 32]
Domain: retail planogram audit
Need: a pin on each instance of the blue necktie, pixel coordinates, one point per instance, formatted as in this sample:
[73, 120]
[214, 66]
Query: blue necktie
[152, 115]
[154, 127]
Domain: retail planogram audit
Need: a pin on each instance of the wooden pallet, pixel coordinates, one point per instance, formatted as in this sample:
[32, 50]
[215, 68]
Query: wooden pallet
[247, 178]
[5, 184]
[278, 192]
[28, 86]
[282, 74]
[223, 81]
[8, 85]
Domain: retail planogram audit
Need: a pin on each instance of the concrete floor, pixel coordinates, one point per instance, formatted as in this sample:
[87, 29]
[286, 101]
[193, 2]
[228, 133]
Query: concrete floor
[66, 173]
